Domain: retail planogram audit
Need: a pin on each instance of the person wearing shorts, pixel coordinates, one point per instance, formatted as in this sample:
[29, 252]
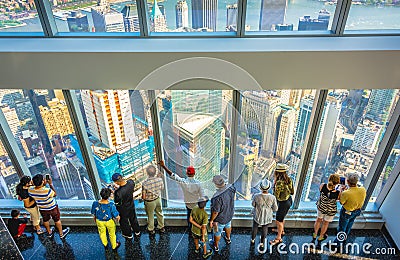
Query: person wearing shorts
[46, 202]
[222, 209]
[327, 206]
[199, 220]
[283, 192]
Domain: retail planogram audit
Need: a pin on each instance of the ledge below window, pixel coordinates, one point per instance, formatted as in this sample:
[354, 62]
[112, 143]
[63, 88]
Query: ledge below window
[77, 213]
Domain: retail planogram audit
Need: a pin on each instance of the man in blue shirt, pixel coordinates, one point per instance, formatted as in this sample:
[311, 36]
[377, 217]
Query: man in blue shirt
[222, 209]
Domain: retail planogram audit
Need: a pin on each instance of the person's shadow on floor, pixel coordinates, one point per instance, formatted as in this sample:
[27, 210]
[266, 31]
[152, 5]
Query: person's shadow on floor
[57, 251]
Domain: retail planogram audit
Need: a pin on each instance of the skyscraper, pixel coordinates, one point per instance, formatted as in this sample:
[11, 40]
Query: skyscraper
[285, 132]
[231, 17]
[379, 104]
[260, 111]
[78, 22]
[109, 117]
[199, 101]
[106, 19]
[272, 12]
[158, 20]
[366, 137]
[204, 14]
[56, 119]
[131, 18]
[306, 23]
[182, 14]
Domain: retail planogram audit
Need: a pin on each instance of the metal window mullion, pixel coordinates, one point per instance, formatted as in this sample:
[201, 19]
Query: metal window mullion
[45, 13]
[11, 146]
[340, 17]
[311, 136]
[394, 176]
[383, 153]
[157, 139]
[83, 140]
[241, 18]
[143, 18]
[236, 109]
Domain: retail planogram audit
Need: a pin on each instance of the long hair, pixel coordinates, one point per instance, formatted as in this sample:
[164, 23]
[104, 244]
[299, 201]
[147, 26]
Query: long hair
[282, 176]
[333, 180]
[22, 182]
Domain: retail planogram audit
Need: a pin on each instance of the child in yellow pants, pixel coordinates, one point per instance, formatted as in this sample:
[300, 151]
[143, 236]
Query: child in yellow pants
[104, 212]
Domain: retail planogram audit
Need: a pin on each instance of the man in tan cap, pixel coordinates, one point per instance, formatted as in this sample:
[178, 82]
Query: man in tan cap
[222, 209]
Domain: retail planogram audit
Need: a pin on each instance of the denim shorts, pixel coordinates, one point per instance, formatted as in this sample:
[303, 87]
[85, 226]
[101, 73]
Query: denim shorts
[221, 227]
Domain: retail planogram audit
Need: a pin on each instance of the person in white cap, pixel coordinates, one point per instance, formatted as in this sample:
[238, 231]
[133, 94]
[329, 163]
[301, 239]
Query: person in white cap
[264, 204]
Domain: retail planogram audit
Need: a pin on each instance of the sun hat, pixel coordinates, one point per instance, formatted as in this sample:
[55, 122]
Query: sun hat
[265, 184]
[219, 181]
[281, 167]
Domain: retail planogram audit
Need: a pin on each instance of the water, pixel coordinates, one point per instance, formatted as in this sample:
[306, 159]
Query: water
[360, 18]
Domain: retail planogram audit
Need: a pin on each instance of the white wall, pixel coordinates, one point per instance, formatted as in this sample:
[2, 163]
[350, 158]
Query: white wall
[390, 210]
[279, 63]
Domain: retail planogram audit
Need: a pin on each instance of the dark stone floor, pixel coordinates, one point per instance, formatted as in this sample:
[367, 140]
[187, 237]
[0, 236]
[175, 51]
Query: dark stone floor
[84, 243]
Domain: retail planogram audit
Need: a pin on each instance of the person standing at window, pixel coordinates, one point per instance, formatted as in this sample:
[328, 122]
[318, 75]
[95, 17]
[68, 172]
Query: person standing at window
[151, 194]
[29, 203]
[352, 200]
[264, 204]
[283, 192]
[192, 190]
[104, 213]
[222, 209]
[123, 198]
[48, 207]
[327, 206]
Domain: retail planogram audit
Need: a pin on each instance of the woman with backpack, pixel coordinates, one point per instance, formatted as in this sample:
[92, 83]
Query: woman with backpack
[29, 203]
[104, 213]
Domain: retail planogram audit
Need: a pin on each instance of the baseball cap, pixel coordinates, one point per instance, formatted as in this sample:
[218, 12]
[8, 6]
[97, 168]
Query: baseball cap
[116, 177]
[190, 170]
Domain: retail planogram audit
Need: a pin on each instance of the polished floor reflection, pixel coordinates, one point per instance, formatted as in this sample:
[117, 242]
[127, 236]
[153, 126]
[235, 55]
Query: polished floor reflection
[84, 243]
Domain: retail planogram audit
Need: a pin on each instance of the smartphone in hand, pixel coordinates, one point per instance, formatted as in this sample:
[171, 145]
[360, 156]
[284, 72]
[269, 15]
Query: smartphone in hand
[47, 176]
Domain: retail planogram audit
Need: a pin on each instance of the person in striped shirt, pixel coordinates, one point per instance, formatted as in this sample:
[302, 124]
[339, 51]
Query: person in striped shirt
[47, 204]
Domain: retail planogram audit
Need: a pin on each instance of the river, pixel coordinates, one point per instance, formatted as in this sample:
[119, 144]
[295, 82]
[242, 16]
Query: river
[361, 17]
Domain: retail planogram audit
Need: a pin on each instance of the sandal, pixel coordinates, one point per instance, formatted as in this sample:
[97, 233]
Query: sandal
[276, 231]
[275, 241]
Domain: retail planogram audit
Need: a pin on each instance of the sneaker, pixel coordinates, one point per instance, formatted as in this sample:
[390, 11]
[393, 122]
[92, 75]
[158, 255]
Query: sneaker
[253, 241]
[261, 246]
[127, 237]
[314, 236]
[65, 232]
[227, 240]
[216, 249]
[152, 232]
[197, 250]
[137, 234]
[161, 230]
[322, 239]
[51, 235]
[207, 254]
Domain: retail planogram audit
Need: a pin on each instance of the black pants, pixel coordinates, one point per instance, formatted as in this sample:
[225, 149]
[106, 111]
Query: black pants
[255, 230]
[129, 223]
